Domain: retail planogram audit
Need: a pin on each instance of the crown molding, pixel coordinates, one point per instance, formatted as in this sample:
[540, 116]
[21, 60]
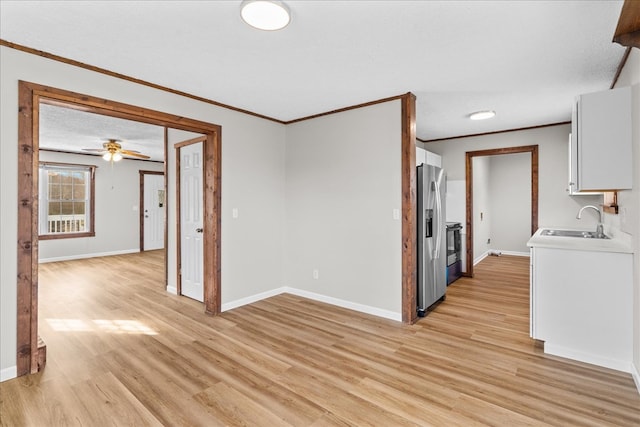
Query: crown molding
[352, 107]
[426, 141]
[110, 73]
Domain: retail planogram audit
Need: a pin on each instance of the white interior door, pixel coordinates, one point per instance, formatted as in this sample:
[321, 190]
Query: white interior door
[191, 211]
[153, 214]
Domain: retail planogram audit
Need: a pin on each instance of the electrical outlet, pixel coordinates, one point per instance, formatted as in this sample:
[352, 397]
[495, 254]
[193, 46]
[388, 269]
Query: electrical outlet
[396, 214]
[316, 274]
[234, 213]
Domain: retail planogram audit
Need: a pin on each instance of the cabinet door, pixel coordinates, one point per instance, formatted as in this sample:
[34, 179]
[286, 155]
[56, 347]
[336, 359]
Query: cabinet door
[583, 305]
[603, 130]
[572, 187]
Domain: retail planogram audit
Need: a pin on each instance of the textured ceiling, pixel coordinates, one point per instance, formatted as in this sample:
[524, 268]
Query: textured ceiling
[65, 129]
[526, 60]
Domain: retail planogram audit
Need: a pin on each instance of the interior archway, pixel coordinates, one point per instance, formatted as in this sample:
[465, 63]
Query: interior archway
[533, 149]
[29, 356]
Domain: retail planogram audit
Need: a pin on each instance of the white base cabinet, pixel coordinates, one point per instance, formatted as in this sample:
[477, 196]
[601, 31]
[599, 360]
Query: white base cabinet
[581, 305]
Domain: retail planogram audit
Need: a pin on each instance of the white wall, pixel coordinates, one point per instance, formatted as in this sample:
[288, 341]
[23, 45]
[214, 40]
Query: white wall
[252, 176]
[629, 201]
[510, 201]
[555, 207]
[117, 198]
[481, 207]
[343, 182]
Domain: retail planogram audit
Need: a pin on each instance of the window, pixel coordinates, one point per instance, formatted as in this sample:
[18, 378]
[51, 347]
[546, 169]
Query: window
[66, 200]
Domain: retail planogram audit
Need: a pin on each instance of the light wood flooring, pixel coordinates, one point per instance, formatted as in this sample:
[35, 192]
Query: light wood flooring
[121, 351]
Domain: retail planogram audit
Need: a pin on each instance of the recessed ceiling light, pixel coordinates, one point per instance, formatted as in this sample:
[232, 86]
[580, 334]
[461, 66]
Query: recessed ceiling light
[482, 115]
[265, 15]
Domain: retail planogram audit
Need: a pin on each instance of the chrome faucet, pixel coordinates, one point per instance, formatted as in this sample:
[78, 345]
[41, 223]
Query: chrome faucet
[600, 227]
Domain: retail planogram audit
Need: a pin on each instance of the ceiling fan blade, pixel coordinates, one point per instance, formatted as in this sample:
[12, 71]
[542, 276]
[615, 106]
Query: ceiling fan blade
[133, 154]
[95, 150]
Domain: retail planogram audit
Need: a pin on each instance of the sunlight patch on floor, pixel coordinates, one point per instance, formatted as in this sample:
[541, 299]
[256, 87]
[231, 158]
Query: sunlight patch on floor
[101, 325]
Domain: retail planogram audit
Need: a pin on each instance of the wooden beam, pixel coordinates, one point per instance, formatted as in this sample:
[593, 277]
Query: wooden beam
[409, 227]
[628, 29]
[27, 247]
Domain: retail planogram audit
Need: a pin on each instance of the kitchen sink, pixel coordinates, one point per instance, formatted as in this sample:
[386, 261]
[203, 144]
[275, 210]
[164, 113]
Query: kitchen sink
[572, 233]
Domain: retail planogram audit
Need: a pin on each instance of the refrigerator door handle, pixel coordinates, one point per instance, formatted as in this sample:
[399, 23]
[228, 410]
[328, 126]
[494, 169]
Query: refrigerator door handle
[436, 251]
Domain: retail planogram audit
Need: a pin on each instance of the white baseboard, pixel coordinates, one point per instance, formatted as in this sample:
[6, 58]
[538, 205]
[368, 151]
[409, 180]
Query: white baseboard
[84, 256]
[636, 376]
[480, 258]
[316, 297]
[172, 290]
[513, 253]
[387, 314]
[253, 298]
[8, 373]
[499, 252]
[569, 353]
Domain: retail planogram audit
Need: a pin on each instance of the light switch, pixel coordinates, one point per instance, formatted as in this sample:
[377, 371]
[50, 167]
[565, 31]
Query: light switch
[234, 213]
[135, 207]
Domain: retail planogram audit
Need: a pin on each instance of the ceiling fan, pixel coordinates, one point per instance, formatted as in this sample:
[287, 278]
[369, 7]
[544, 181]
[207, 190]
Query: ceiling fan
[112, 151]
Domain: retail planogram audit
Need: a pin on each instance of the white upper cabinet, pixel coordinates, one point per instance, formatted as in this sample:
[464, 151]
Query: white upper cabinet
[434, 159]
[427, 157]
[600, 148]
[421, 156]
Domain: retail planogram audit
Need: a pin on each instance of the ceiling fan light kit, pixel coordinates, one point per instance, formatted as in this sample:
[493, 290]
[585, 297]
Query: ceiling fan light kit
[112, 151]
[112, 157]
[265, 15]
[482, 115]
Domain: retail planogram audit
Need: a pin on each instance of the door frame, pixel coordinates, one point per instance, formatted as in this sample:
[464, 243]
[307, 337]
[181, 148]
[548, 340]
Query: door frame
[177, 147]
[533, 149]
[141, 208]
[30, 356]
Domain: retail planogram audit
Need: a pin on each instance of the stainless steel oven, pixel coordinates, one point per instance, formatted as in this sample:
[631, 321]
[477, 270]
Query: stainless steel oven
[454, 248]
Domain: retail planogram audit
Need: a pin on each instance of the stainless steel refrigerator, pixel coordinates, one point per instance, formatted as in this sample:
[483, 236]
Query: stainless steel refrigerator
[432, 244]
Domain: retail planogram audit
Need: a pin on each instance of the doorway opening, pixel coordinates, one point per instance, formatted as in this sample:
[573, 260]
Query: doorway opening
[152, 217]
[189, 217]
[470, 155]
[30, 353]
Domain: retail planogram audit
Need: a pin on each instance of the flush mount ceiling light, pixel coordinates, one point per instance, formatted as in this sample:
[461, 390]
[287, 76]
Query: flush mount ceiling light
[265, 15]
[482, 115]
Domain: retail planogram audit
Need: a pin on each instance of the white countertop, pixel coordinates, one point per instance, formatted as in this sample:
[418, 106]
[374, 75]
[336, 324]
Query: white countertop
[614, 244]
